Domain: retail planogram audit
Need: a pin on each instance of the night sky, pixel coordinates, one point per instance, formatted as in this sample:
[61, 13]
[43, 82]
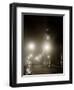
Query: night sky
[36, 27]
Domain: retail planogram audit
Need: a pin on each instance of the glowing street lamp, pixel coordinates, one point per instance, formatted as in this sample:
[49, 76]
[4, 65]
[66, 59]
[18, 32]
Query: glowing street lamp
[37, 58]
[48, 56]
[47, 37]
[31, 46]
[30, 56]
[47, 47]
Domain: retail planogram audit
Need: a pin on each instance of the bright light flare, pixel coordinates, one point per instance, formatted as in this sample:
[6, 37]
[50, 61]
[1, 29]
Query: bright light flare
[30, 56]
[47, 47]
[47, 37]
[48, 56]
[37, 58]
[31, 46]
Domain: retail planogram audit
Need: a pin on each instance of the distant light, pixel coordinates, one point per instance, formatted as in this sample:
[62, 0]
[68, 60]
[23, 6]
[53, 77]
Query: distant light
[47, 29]
[48, 56]
[37, 58]
[30, 56]
[31, 46]
[47, 37]
[47, 47]
[28, 62]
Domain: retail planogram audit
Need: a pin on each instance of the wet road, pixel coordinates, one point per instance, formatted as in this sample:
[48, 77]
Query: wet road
[40, 69]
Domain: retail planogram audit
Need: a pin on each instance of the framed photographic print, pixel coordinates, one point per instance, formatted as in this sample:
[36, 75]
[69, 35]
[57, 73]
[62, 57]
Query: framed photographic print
[40, 44]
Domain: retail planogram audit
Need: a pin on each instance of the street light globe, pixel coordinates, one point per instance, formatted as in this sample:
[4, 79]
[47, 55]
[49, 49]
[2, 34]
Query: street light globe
[47, 37]
[47, 47]
[37, 58]
[31, 46]
[48, 56]
[30, 56]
